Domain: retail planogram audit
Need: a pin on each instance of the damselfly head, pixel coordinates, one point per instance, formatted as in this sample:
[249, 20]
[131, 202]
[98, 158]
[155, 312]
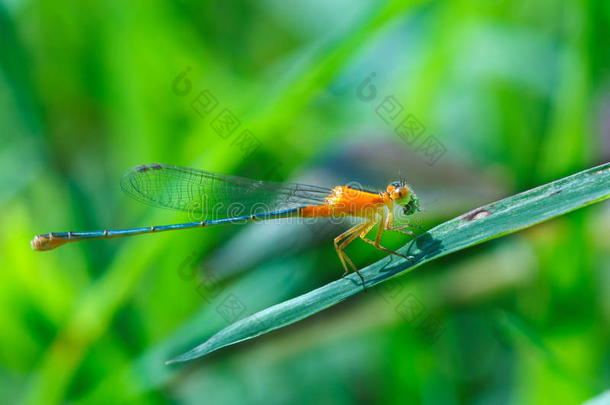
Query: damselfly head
[399, 191]
[402, 194]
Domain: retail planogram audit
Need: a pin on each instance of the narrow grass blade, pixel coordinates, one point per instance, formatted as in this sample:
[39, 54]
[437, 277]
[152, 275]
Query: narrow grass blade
[491, 221]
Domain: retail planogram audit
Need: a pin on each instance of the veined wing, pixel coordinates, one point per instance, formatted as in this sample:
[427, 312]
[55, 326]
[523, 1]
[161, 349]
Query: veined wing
[210, 195]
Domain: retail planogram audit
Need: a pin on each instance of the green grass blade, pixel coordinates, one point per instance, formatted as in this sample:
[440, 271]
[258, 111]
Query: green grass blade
[491, 221]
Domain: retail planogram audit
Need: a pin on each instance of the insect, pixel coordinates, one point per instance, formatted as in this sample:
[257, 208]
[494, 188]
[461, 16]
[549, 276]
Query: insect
[224, 199]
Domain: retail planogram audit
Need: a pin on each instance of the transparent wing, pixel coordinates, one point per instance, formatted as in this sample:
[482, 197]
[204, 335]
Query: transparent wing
[212, 196]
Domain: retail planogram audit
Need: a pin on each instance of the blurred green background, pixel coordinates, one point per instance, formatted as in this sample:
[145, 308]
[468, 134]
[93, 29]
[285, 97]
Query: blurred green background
[517, 94]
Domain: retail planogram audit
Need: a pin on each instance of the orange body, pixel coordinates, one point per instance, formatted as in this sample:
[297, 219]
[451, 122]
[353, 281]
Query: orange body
[347, 201]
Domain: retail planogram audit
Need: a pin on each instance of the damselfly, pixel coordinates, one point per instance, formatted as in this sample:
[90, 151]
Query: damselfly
[224, 199]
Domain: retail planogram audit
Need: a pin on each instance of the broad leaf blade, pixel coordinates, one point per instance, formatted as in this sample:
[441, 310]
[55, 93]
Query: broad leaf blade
[491, 221]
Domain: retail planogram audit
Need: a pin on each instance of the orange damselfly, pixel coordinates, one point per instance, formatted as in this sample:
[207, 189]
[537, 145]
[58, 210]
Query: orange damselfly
[223, 199]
